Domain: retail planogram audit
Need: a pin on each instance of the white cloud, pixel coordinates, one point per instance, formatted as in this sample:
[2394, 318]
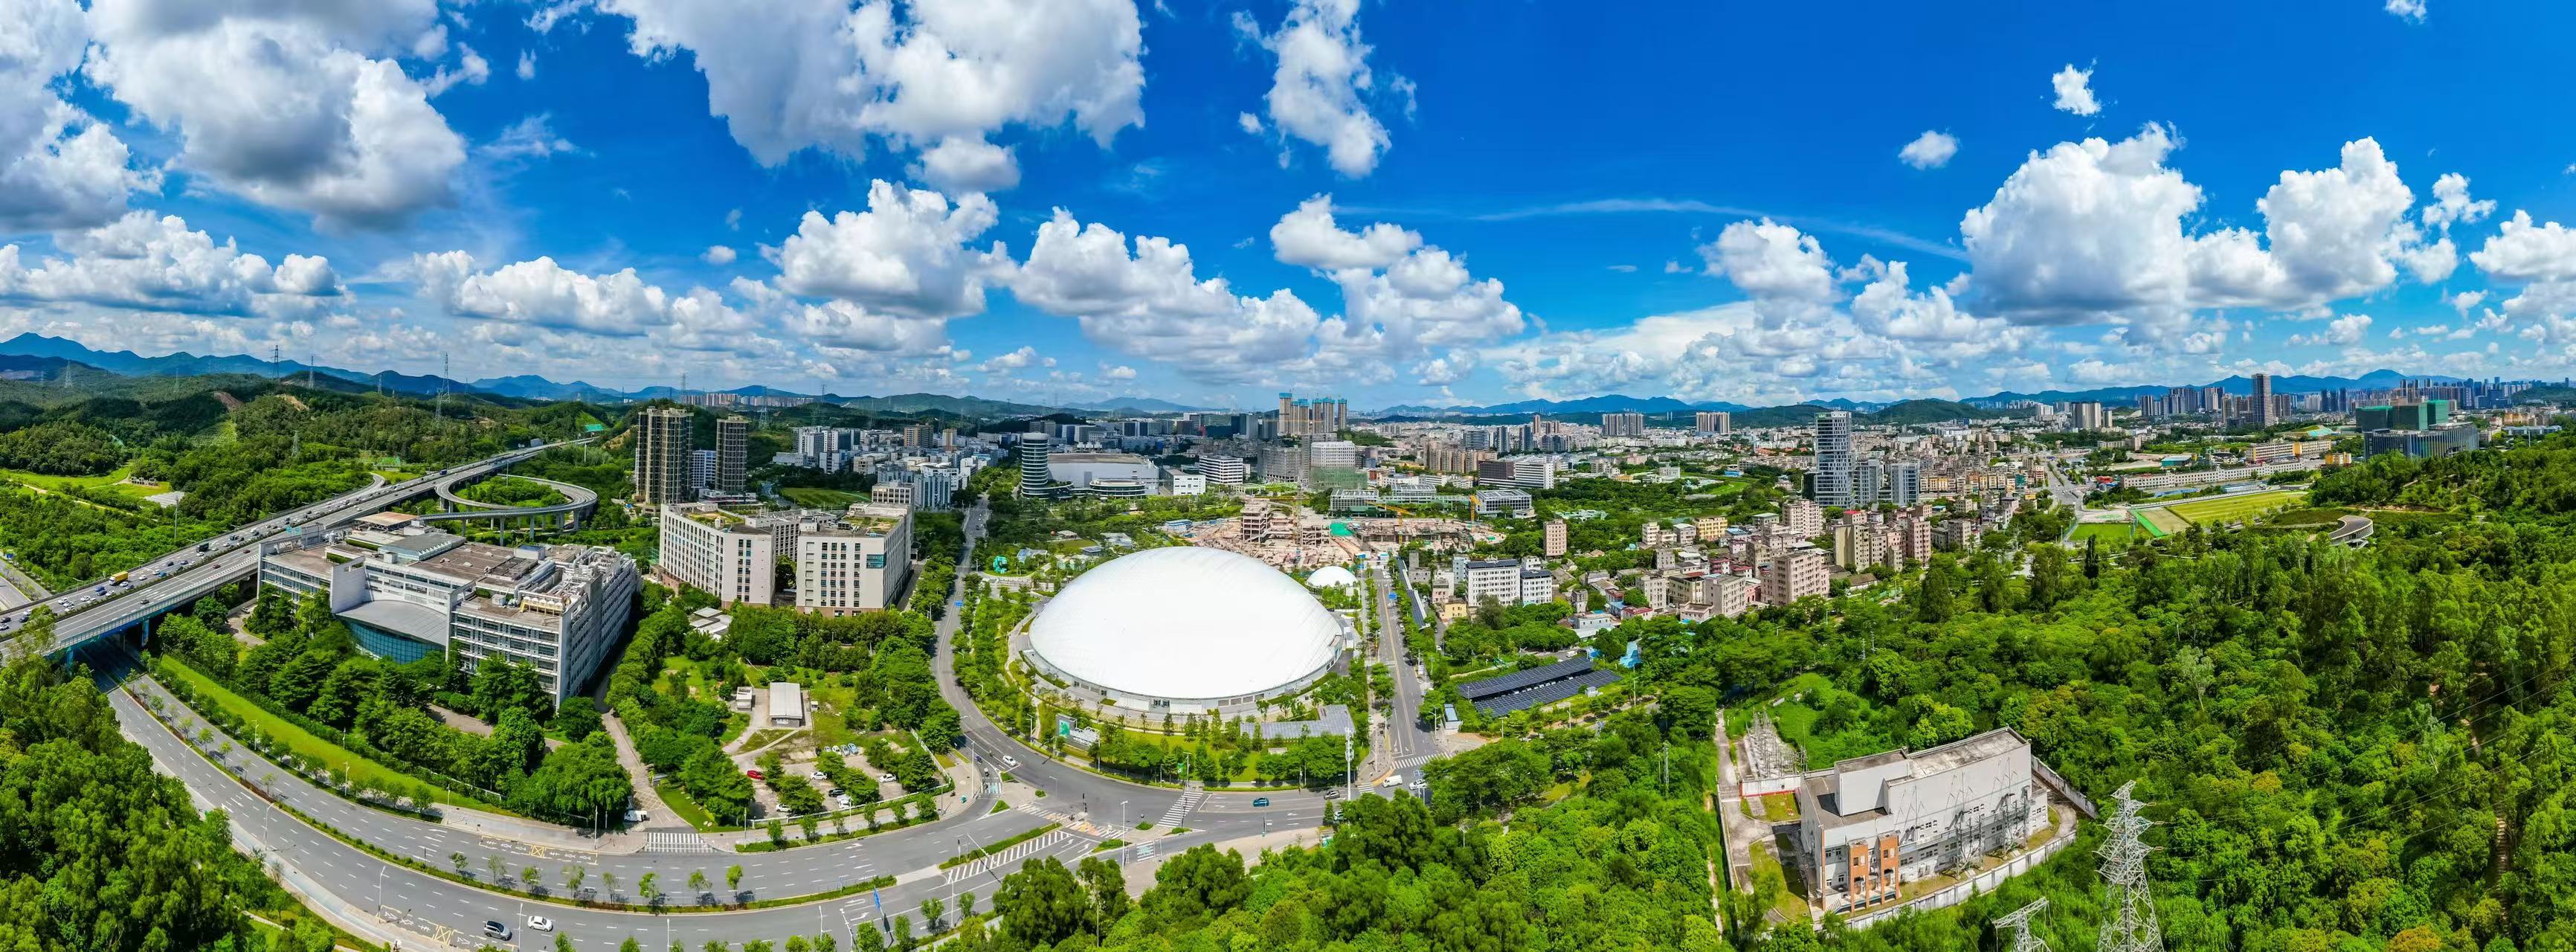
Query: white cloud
[527, 64]
[2407, 9]
[1624, 268]
[2452, 204]
[300, 106]
[532, 137]
[59, 167]
[1020, 359]
[2343, 331]
[2521, 251]
[1784, 271]
[2093, 232]
[2075, 91]
[1318, 94]
[1309, 237]
[1931, 150]
[718, 255]
[1150, 303]
[541, 293]
[146, 263]
[1120, 372]
[471, 70]
[961, 164]
[906, 255]
[818, 74]
[1251, 124]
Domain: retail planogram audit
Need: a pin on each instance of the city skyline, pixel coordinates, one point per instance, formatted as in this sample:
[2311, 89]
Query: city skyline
[1197, 206]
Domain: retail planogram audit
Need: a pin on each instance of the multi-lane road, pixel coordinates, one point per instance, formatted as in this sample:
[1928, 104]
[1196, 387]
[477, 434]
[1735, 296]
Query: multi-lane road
[178, 577]
[391, 901]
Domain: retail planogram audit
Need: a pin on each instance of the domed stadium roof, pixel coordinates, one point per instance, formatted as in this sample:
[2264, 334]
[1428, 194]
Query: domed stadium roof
[1332, 576]
[1188, 624]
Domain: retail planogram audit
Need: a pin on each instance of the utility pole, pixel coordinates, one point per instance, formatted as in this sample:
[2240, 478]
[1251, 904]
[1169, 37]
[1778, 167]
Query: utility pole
[2124, 868]
[2018, 921]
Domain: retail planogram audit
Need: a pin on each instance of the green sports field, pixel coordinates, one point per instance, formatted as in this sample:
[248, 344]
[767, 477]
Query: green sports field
[2240, 507]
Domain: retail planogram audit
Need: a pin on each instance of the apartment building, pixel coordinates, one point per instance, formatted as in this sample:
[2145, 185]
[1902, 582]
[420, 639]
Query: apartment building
[731, 555]
[1796, 572]
[662, 457]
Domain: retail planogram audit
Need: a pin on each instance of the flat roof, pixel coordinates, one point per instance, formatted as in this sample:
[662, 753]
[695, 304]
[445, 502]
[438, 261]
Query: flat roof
[475, 560]
[387, 520]
[415, 620]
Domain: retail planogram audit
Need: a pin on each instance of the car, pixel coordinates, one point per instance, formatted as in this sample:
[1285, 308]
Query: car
[1392, 780]
[836, 792]
[885, 778]
[637, 816]
[1010, 762]
[541, 923]
[496, 929]
[820, 775]
[1261, 801]
[754, 774]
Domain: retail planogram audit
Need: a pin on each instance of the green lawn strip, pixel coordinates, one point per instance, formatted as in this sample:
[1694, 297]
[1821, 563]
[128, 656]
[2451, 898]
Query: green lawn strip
[677, 798]
[813, 497]
[304, 745]
[767, 846]
[973, 855]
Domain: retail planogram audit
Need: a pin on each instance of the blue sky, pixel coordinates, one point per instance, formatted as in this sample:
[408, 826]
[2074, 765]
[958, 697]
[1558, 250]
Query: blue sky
[1399, 203]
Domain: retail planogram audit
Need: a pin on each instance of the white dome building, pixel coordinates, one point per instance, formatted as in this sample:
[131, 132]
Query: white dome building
[1185, 627]
[1332, 576]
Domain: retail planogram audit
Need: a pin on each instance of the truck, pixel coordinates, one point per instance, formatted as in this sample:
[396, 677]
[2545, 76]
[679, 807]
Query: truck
[119, 578]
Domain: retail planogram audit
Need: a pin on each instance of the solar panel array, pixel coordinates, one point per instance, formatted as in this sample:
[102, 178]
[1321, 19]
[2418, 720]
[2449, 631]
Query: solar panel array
[1545, 694]
[1522, 679]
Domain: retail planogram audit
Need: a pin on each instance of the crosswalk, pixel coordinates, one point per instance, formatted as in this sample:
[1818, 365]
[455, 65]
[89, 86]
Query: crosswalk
[1190, 797]
[1006, 858]
[660, 842]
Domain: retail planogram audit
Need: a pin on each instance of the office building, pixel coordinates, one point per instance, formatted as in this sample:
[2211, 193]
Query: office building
[891, 493]
[554, 609]
[1224, 470]
[1502, 581]
[1873, 823]
[934, 488]
[1830, 482]
[662, 457]
[1083, 472]
[1868, 482]
[2263, 409]
[1715, 423]
[1502, 503]
[733, 453]
[731, 555]
[1178, 482]
[1553, 542]
[2417, 414]
[1904, 483]
[1615, 425]
[855, 561]
[1035, 481]
[2422, 444]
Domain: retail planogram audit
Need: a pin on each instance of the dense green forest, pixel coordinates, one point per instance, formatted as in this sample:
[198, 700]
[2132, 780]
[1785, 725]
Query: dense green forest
[101, 852]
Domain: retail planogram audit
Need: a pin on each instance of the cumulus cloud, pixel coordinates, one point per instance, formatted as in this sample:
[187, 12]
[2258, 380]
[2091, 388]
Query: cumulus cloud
[1149, 302]
[1931, 150]
[59, 167]
[1319, 93]
[1309, 237]
[299, 106]
[144, 263]
[906, 255]
[718, 255]
[527, 64]
[2342, 331]
[1784, 270]
[2412, 10]
[2093, 231]
[935, 75]
[2075, 91]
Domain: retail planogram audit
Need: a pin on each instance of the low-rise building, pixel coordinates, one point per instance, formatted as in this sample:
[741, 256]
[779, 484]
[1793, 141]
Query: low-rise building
[1873, 823]
[555, 609]
[1796, 572]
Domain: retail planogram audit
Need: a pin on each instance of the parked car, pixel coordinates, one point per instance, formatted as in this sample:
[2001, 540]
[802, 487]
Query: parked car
[885, 778]
[754, 774]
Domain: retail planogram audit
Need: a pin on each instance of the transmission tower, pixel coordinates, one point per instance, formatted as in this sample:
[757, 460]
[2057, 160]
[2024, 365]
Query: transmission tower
[2124, 868]
[2018, 921]
[441, 402]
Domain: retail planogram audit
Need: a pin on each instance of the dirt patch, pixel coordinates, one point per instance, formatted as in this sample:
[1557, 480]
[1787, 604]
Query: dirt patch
[230, 402]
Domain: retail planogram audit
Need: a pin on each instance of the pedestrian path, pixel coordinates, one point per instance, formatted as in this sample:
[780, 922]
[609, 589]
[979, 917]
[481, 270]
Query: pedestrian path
[656, 841]
[1190, 797]
[1067, 820]
[1003, 859]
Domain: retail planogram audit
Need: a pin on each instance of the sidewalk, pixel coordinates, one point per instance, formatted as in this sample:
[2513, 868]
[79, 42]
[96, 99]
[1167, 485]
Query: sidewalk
[1140, 874]
[539, 833]
[658, 815]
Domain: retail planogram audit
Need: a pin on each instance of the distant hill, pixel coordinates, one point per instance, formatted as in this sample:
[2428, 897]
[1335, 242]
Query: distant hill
[184, 364]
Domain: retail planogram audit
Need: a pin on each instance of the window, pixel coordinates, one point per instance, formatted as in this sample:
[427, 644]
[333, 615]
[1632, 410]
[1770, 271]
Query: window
[876, 560]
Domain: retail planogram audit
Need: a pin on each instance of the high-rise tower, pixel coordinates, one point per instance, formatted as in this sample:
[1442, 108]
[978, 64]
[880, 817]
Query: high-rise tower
[733, 450]
[662, 456]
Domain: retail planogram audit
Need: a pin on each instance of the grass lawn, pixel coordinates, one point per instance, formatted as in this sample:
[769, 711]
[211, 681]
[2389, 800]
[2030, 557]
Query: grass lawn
[2160, 522]
[1796, 722]
[1785, 903]
[309, 747]
[2240, 507]
[812, 497]
[678, 800]
[2113, 535]
[2325, 518]
[113, 482]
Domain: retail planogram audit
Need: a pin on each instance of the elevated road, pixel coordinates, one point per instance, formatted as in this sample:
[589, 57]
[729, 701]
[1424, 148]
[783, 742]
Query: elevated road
[578, 500]
[177, 578]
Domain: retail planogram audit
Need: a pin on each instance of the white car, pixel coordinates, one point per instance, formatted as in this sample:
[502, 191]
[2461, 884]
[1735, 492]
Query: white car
[1392, 780]
[541, 923]
[885, 778]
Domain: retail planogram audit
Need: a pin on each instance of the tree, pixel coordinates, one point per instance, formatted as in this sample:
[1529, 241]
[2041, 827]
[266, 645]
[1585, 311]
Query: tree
[698, 882]
[931, 908]
[630, 945]
[1108, 888]
[530, 879]
[572, 875]
[577, 718]
[459, 860]
[733, 879]
[1041, 904]
[645, 887]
